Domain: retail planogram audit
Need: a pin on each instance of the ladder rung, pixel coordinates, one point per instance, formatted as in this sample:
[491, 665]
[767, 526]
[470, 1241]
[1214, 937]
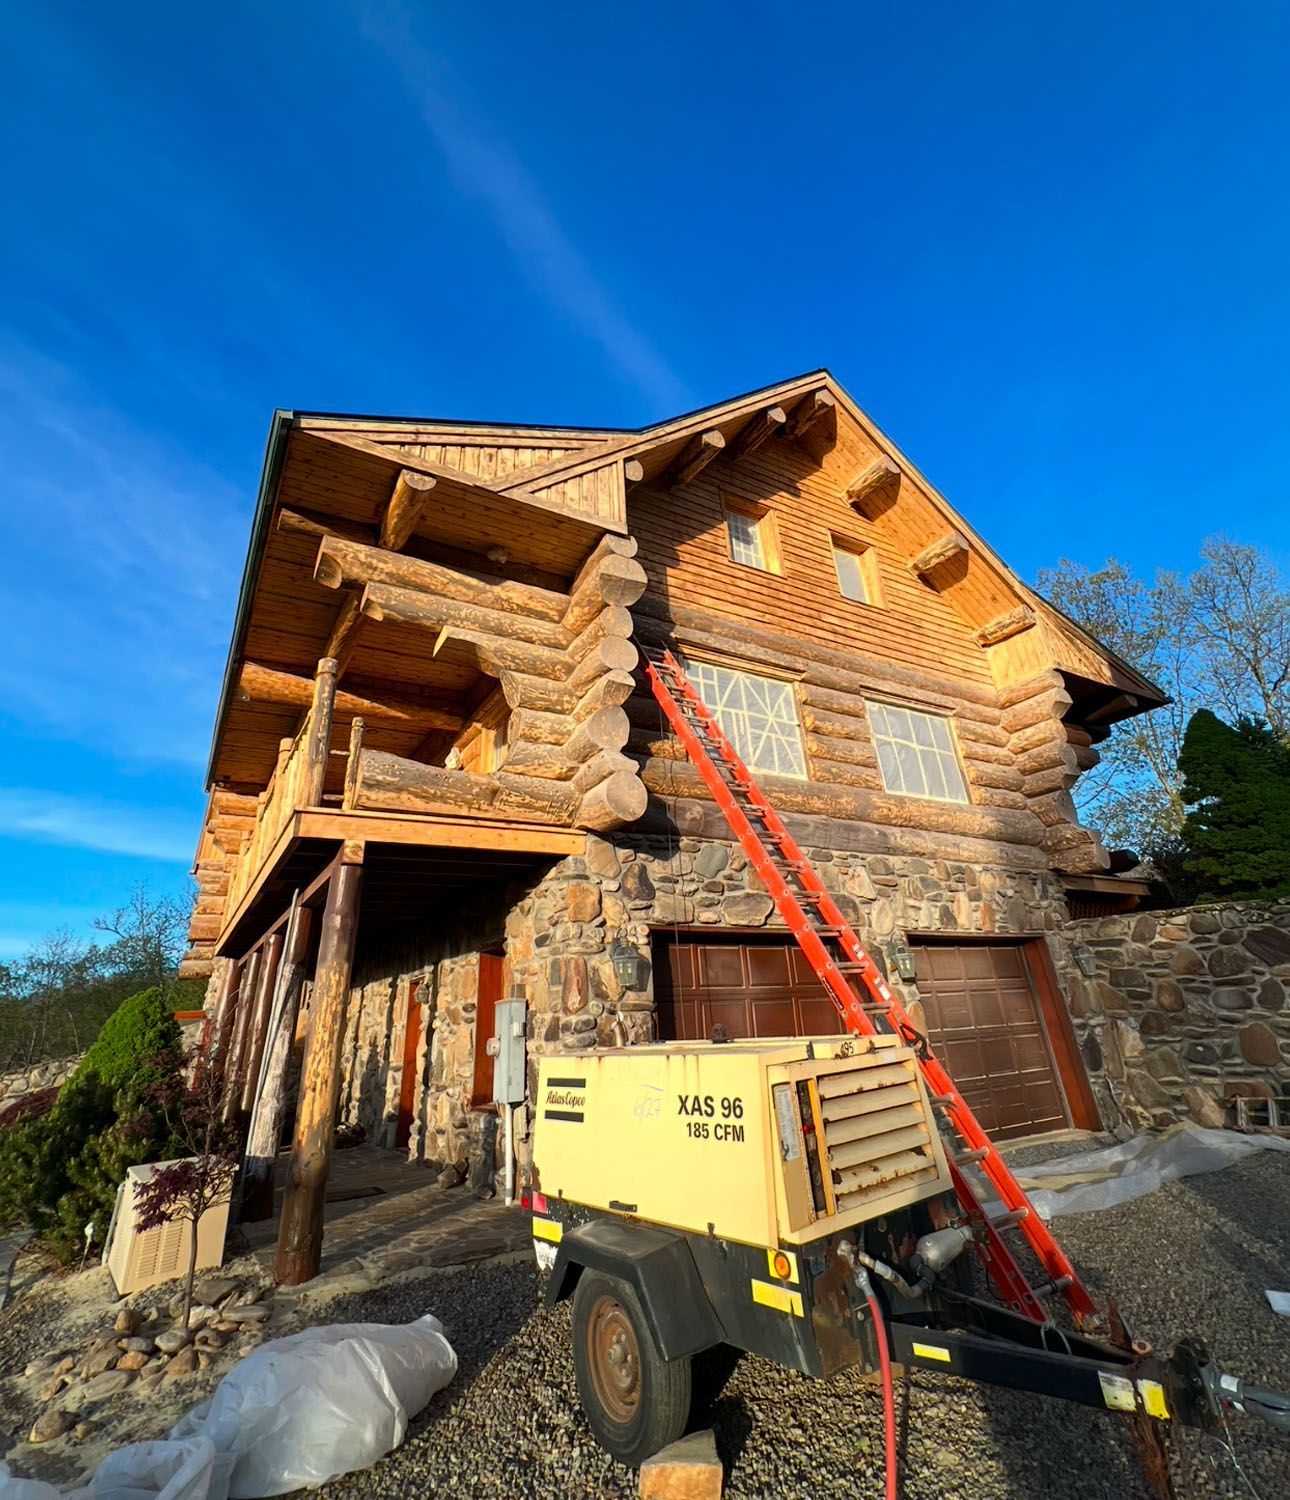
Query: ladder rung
[966, 1158]
[942, 1101]
[1012, 1218]
[1047, 1288]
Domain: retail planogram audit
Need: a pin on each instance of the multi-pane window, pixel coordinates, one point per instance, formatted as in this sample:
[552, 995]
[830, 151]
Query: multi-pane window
[758, 715]
[750, 533]
[916, 753]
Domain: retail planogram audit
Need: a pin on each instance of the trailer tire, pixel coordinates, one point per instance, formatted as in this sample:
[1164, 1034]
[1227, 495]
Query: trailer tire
[635, 1401]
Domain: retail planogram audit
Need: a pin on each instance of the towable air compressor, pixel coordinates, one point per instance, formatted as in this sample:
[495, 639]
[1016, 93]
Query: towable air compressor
[791, 1198]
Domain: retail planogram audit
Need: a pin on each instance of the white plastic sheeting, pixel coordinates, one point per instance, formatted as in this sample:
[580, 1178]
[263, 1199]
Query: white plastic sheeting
[1091, 1180]
[296, 1412]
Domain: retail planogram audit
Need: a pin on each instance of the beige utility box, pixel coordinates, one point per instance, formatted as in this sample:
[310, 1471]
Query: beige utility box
[772, 1141]
[140, 1258]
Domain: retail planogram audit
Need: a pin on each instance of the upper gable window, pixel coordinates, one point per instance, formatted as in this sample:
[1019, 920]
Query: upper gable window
[750, 532]
[757, 714]
[916, 753]
[857, 572]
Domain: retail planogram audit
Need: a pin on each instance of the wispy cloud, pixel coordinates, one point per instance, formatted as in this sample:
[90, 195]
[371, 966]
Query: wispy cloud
[127, 557]
[92, 823]
[492, 172]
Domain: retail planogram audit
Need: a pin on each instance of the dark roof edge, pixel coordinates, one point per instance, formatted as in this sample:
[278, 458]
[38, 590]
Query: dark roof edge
[274, 454]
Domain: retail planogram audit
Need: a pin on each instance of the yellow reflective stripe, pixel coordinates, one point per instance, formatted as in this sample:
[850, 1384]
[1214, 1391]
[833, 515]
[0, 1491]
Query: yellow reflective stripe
[778, 1297]
[1153, 1399]
[773, 1255]
[932, 1351]
[548, 1229]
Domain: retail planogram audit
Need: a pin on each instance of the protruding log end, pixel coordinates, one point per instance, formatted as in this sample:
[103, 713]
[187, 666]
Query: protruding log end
[619, 799]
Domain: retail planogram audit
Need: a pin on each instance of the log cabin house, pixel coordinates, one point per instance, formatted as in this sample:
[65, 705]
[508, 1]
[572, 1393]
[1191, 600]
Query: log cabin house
[437, 778]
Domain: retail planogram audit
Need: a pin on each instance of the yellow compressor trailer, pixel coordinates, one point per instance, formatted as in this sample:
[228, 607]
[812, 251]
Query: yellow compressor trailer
[791, 1198]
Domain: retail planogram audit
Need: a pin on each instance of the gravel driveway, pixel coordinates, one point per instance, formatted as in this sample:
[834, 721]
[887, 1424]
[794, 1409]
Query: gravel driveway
[1195, 1258]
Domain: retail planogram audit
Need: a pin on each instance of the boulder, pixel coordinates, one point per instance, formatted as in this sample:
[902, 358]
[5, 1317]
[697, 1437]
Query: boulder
[134, 1360]
[257, 1312]
[171, 1340]
[1204, 1107]
[100, 1359]
[51, 1388]
[213, 1289]
[184, 1363]
[127, 1320]
[49, 1425]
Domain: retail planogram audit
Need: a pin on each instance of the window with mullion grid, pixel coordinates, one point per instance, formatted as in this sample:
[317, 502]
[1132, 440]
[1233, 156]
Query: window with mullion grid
[916, 753]
[757, 714]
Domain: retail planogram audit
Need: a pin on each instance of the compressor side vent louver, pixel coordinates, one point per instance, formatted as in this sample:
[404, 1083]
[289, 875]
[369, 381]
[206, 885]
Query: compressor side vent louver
[876, 1132]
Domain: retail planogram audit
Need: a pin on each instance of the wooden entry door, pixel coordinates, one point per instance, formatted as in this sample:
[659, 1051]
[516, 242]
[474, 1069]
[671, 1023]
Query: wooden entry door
[408, 1078]
[985, 1025]
[487, 995]
[753, 986]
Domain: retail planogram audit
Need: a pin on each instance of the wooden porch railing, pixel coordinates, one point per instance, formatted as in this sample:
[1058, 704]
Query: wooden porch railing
[297, 782]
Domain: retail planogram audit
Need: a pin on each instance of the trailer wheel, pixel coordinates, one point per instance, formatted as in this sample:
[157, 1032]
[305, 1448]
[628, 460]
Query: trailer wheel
[635, 1401]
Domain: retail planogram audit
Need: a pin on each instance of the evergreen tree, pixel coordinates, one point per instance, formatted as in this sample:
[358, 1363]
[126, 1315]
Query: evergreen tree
[1236, 835]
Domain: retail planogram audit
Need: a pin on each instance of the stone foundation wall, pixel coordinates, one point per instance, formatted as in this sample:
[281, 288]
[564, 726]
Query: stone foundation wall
[558, 935]
[1185, 1008]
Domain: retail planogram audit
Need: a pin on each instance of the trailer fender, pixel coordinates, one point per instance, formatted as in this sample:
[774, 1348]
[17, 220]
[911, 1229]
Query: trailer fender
[658, 1266]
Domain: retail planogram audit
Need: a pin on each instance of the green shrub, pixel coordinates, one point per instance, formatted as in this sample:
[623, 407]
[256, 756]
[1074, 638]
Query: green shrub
[59, 1172]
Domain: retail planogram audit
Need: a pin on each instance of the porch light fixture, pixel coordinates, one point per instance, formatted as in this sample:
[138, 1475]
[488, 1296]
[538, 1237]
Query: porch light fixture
[903, 959]
[626, 961]
[1085, 960]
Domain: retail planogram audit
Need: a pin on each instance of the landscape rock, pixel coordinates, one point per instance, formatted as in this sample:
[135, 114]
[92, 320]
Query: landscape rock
[211, 1290]
[170, 1340]
[127, 1320]
[49, 1425]
[133, 1360]
[51, 1388]
[102, 1358]
[184, 1363]
[110, 1383]
[84, 1430]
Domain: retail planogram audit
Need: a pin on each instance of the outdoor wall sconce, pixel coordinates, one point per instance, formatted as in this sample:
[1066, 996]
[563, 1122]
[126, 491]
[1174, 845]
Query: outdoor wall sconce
[902, 958]
[1085, 960]
[627, 963]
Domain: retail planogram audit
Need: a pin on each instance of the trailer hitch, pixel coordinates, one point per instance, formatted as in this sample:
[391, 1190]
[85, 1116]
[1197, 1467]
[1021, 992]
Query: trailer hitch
[1204, 1394]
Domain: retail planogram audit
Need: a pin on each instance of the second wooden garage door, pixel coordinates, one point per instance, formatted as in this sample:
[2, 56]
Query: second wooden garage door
[984, 1024]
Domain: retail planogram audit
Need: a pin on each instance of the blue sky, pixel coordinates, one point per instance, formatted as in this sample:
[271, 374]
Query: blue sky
[1046, 249]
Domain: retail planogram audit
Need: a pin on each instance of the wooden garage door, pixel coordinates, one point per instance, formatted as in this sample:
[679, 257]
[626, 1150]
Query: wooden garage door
[752, 988]
[984, 1024]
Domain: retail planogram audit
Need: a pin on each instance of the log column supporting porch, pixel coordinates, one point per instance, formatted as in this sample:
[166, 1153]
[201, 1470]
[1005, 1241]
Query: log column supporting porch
[227, 1058]
[248, 1064]
[270, 1100]
[300, 1232]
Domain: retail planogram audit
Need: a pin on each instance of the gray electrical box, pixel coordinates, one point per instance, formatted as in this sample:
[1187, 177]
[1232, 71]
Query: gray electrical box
[506, 1048]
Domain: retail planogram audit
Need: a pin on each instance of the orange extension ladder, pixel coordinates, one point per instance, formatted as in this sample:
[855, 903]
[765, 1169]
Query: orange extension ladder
[815, 921]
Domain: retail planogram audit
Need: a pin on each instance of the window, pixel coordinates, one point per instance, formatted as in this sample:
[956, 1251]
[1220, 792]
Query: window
[751, 534]
[916, 753]
[758, 715]
[857, 572]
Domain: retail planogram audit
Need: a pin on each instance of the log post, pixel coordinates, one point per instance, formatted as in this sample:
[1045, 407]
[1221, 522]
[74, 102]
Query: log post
[351, 764]
[318, 733]
[258, 1025]
[270, 1102]
[300, 1233]
[231, 1059]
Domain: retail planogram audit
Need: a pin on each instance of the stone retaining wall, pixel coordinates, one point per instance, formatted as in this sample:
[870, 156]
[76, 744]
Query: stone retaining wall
[1186, 1008]
[17, 1085]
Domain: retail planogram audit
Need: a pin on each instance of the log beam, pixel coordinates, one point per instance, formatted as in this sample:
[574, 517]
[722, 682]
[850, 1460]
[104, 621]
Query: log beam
[314, 523]
[1004, 627]
[260, 684]
[299, 1250]
[760, 429]
[633, 471]
[342, 562]
[405, 606]
[943, 562]
[406, 505]
[810, 415]
[697, 454]
[873, 489]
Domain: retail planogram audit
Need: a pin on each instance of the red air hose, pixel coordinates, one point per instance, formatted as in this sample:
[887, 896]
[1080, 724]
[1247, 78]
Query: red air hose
[891, 1490]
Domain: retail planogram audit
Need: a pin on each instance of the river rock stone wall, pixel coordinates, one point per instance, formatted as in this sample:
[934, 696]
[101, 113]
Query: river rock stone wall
[1186, 1008]
[47, 1075]
[559, 934]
